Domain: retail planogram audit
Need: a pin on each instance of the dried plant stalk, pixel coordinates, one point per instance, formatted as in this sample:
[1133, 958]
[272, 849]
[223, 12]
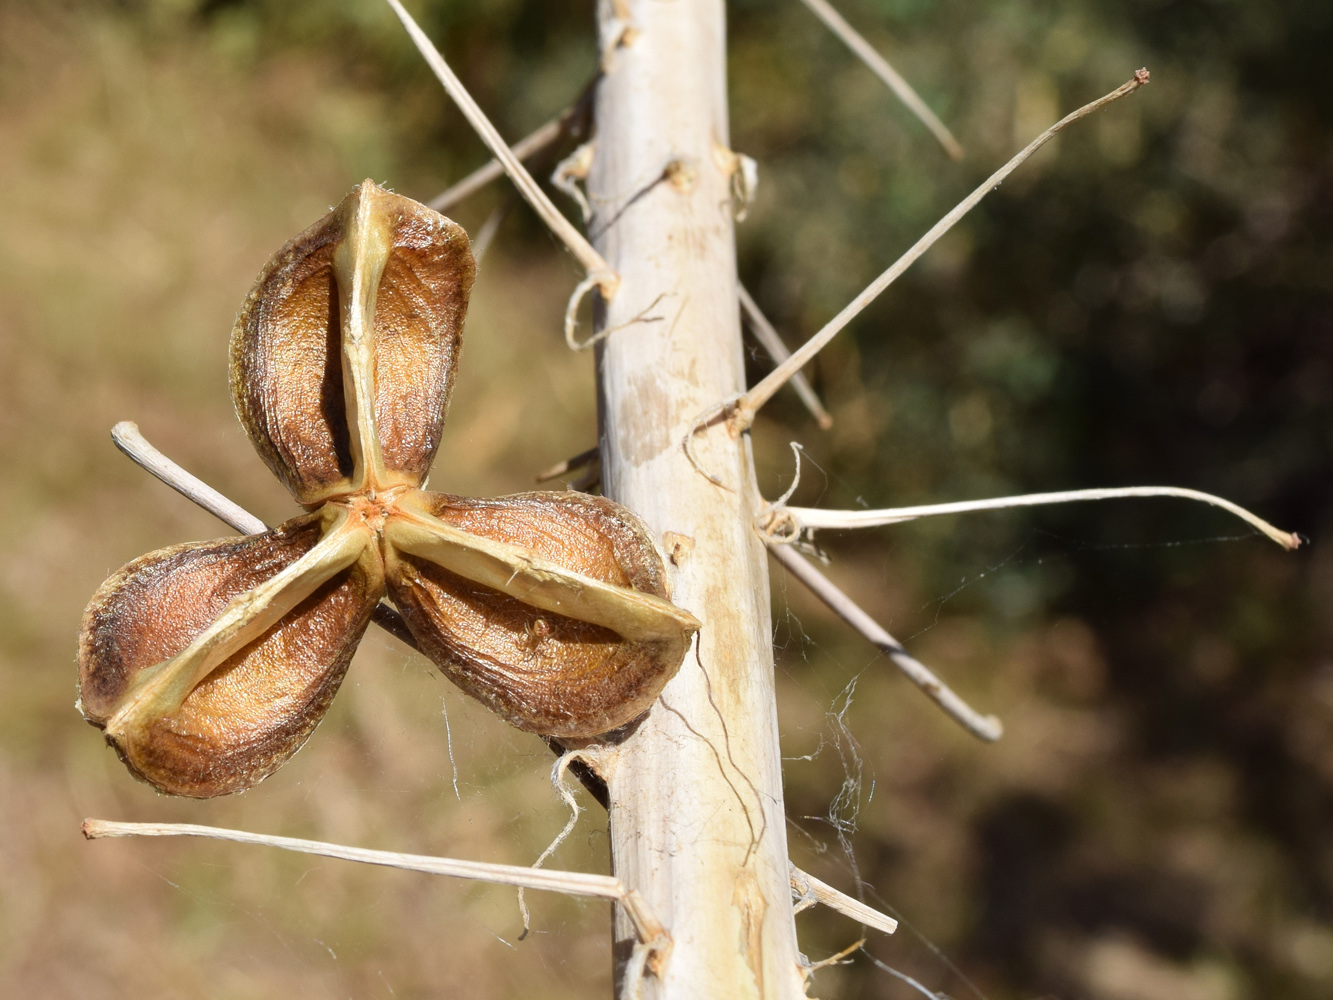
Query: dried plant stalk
[985, 727]
[696, 808]
[571, 121]
[772, 343]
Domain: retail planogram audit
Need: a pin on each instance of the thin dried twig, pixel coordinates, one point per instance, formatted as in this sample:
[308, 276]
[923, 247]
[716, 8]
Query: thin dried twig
[135, 446]
[835, 959]
[790, 522]
[583, 458]
[806, 886]
[531, 144]
[985, 727]
[924, 990]
[572, 315]
[867, 53]
[571, 121]
[647, 927]
[593, 262]
[771, 341]
[571, 318]
[741, 412]
[486, 234]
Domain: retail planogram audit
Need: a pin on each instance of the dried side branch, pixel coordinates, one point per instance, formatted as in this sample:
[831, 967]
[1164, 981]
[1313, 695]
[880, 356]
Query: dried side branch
[572, 121]
[135, 446]
[650, 930]
[790, 522]
[531, 144]
[806, 886]
[771, 341]
[579, 461]
[867, 53]
[593, 262]
[837, 958]
[985, 727]
[740, 412]
[486, 233]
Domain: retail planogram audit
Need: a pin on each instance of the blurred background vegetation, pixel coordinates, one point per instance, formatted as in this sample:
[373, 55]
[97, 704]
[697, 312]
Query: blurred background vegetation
[1147, 301]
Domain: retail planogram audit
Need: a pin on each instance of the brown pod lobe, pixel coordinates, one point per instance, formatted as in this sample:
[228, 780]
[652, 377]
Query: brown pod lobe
[287, 374]
[251, 713]
[540, 671]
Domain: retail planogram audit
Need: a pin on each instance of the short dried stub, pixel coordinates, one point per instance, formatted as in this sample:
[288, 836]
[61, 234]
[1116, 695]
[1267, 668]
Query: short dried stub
[209, 664]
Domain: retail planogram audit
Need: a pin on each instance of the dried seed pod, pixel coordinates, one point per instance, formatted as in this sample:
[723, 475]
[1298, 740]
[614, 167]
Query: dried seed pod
[209, 664]
[578, 673]
[201, 705]
[346, 347]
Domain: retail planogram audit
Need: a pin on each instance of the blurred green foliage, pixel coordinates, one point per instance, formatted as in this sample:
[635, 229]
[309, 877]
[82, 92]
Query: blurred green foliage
[1147, 301]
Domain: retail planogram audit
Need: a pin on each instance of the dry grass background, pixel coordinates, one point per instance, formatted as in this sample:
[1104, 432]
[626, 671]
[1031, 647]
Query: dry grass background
[147, 172]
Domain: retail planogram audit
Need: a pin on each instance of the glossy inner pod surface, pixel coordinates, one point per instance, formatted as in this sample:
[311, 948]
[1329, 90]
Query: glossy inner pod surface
[208, 664]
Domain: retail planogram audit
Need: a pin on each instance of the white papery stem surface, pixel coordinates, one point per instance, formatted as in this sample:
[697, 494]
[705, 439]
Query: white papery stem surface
[697, 819]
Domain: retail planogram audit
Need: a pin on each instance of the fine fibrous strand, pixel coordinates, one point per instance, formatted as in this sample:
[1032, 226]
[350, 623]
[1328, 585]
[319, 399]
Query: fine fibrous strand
[986, 727]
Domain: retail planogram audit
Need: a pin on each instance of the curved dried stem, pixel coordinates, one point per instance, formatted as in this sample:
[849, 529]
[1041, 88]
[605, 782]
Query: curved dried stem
[867, 53]
[571, 320]
[718, 413]
[593, 262]
[744, 410]
[789, 522]
[558, 770]
[570, 172]
[572, 316]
